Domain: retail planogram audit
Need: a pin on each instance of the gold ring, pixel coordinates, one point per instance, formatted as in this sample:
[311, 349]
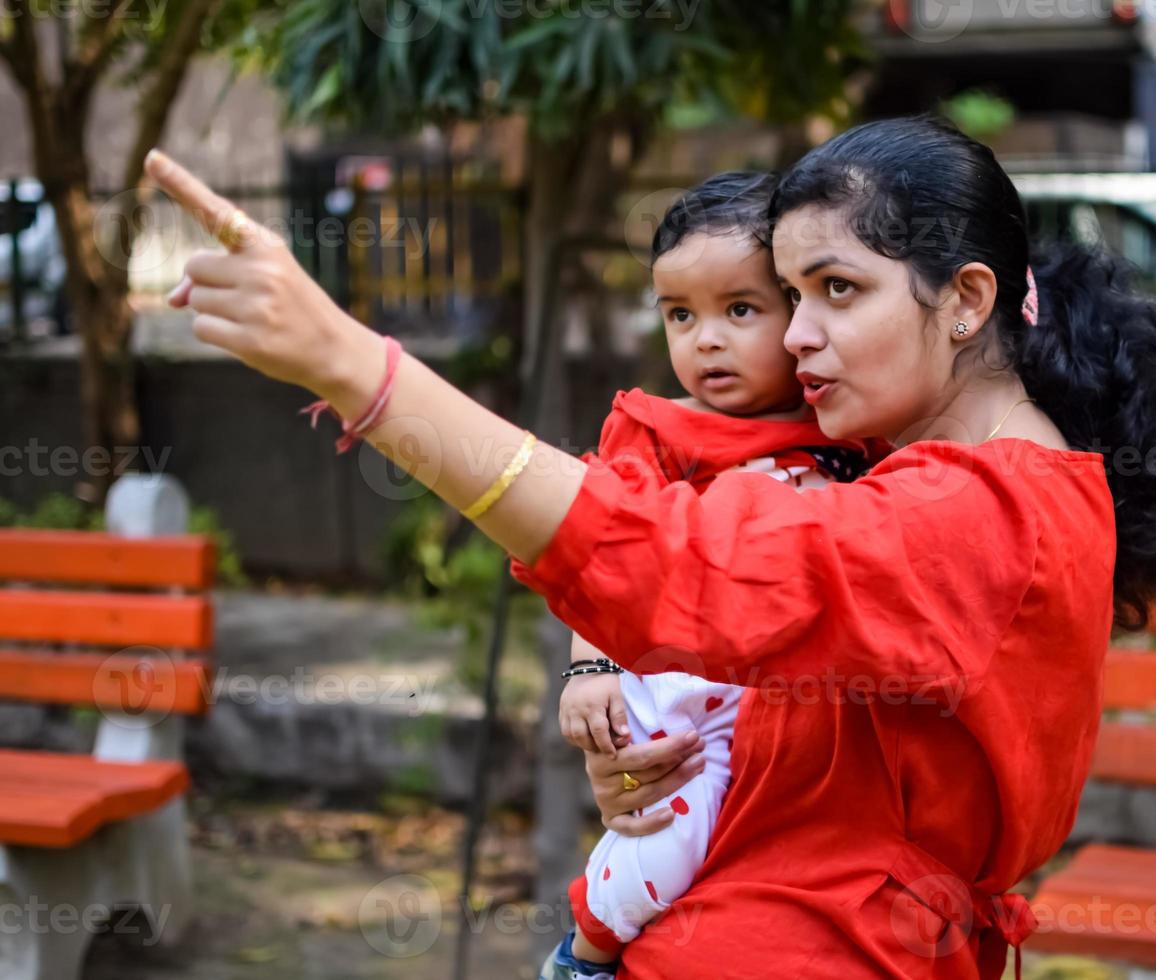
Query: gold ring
[629, 782]
[237, 230]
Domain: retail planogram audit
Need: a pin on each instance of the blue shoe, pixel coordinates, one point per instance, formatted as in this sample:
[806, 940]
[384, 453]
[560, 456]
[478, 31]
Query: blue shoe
[562, 964]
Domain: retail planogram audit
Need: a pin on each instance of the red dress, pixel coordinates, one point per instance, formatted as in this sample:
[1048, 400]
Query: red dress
[924, 650]
[657, 441]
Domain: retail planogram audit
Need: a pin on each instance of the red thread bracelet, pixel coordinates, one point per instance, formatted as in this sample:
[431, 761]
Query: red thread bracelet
[371, 417]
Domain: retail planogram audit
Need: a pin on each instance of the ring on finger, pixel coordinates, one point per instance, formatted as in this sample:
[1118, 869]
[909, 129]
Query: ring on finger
[237, 230]
[629, 783]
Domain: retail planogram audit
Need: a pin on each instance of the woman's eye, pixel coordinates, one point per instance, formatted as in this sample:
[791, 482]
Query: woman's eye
[839, 288]
[793, 296]
[741, 310]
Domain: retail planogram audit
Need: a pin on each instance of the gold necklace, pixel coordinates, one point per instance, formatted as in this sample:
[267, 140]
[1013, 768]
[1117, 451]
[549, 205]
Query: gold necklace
[1022, 401]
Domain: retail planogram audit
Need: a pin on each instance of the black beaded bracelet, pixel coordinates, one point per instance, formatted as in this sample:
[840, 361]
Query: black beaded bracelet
[600, 661]
[597, 669]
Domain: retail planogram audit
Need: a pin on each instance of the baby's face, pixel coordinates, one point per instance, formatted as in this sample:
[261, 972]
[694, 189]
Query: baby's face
[725, 318]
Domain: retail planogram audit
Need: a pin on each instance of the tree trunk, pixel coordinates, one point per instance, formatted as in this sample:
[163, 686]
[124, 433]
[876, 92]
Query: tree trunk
[97, 256]
[98, 290]
[574, 187]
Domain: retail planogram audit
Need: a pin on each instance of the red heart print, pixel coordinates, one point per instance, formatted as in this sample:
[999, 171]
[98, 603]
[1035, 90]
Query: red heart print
[679, 806]
[650, 888]
[657, 735]
[713, 702]
[606, 873]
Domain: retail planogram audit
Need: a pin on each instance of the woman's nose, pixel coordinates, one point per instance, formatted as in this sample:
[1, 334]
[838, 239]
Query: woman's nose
[804, 333]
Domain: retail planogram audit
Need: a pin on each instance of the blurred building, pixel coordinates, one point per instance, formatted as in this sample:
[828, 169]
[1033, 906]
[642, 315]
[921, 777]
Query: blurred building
[1079, 73]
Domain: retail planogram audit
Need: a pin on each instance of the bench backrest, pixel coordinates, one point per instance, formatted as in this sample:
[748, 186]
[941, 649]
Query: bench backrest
[1126, 746]
[96, 619]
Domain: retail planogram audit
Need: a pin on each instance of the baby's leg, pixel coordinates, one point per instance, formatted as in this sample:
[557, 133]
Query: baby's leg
[630, 880]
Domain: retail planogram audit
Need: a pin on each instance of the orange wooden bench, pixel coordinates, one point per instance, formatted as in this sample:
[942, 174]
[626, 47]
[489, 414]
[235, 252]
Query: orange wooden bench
[122, 625]
[1103, 903]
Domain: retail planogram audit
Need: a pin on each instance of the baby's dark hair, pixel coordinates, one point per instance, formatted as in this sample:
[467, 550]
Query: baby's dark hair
[734, 200]
[918, 190]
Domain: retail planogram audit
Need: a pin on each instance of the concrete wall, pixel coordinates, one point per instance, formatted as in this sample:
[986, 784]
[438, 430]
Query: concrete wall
[236, 442]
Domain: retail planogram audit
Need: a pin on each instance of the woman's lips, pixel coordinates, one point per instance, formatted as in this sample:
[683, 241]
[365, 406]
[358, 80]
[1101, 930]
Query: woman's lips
[815, 388]
[813, 394]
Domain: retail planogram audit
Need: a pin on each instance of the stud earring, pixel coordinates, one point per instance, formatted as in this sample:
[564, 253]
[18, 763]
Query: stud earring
[961, 328]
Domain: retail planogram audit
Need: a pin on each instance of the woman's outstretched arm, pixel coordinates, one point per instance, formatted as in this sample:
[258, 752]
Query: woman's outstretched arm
[751, 582]
[257, 303]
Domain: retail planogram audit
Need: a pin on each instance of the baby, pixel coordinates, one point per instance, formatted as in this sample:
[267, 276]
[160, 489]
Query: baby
[725, 320]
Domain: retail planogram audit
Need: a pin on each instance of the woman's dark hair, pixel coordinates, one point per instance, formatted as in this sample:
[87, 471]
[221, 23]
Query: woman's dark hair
[723, 203]
[918, 190]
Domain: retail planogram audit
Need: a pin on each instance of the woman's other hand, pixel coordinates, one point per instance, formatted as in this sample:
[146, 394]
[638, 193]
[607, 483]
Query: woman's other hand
[661, 766]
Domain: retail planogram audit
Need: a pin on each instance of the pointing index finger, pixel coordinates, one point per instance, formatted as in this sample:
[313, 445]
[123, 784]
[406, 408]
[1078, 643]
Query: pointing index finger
[214, 213]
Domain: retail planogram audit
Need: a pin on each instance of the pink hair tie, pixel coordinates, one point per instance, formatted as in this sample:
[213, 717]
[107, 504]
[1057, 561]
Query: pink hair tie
[371, 417]
[1031, 307]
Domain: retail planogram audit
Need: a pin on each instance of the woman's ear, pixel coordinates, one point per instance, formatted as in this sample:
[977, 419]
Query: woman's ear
[975, 290]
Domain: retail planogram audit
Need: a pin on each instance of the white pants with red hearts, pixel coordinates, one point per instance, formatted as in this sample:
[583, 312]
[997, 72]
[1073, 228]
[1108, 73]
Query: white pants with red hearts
[630, 880]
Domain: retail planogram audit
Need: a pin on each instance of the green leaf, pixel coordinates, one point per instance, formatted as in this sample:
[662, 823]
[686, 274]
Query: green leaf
[541, 31]
[328, 89]
[620, 48]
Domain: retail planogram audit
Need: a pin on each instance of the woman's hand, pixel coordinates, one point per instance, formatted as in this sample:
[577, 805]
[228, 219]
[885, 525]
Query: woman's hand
[255, 300]
[592, 713]
[661, 767]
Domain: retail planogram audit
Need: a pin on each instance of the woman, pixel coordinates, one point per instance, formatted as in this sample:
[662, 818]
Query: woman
[923, 646]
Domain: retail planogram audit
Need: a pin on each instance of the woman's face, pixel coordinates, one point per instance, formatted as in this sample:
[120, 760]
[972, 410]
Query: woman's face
[725, 317]
[873, 361]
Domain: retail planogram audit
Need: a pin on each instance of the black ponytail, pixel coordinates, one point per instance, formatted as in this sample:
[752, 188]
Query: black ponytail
[1091, 365]
[920, 191]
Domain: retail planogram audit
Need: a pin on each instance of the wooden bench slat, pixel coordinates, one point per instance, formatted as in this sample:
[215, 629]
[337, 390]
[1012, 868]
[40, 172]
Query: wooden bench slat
[120, 682]
[54, 800]
[1130, 680]
[1102, 904]
[1125, 754]
[106, 619]
[186, 561]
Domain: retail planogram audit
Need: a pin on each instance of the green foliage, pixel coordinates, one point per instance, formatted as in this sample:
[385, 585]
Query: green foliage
[982, 115]
[230, 572]
[55, 512]
[457, 588]
[393, 65]
[60, 512]
[413, 550]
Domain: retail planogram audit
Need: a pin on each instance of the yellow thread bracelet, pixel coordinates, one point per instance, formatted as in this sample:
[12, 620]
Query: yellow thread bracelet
[502, 483]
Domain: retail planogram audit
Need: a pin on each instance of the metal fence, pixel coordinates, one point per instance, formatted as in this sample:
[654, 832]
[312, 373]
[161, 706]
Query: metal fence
[436, 252]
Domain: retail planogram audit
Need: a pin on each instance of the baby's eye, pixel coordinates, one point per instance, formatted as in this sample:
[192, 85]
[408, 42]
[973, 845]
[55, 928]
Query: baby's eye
[680, 314]
[741, 310]
[838, 288]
